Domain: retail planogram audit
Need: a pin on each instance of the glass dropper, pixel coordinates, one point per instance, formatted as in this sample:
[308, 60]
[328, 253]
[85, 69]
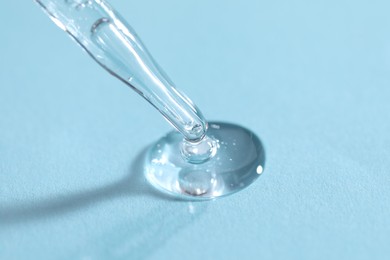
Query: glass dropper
[197, 163]
[116, 47]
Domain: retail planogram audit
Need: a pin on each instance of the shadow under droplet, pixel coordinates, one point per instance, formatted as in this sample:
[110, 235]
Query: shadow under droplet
[133, 184]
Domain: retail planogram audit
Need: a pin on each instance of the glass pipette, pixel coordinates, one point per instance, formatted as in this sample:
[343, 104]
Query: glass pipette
[193, 164]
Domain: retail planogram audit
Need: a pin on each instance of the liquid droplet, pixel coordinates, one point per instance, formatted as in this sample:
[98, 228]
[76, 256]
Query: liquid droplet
[230, 169]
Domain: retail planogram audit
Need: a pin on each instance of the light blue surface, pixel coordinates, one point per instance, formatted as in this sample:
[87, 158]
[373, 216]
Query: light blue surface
[312, 78]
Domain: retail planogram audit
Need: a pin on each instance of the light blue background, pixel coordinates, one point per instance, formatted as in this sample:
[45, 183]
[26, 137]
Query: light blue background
[311, 78]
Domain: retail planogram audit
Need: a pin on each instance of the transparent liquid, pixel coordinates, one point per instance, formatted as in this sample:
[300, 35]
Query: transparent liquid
[238, 161]
[196, 161]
